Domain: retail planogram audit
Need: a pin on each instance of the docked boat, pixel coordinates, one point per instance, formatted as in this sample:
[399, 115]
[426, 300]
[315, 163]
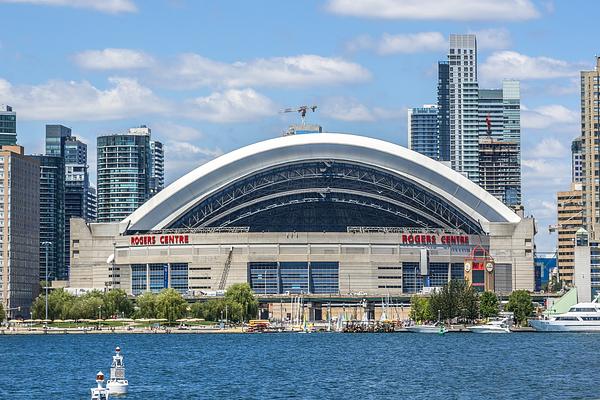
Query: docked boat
[117, 384]
[497, 326]
[431, 328]
[99, 392]
[582, 317]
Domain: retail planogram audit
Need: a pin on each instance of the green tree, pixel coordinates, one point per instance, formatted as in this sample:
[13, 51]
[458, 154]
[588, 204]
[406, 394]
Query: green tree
[456, 299]
[489, 305]
[419, 309]
[2, 313]
[88, 306]
[59, 303]
[116, 303]
[468, 303]
[519, 302]
[242, 294]
[146, 305]
[447, 300]
[216, 309]
[170, 305]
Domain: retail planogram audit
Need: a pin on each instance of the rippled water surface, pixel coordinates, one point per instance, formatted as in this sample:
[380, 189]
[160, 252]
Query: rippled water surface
[325, 366]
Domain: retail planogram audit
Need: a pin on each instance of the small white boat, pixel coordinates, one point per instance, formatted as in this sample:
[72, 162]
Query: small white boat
[117, 384]
[99, 392]
[582, 317]
[497, 326]
[431, 328]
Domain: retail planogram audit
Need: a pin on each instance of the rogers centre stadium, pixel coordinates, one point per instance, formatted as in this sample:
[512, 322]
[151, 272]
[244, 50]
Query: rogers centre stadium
[321, 215]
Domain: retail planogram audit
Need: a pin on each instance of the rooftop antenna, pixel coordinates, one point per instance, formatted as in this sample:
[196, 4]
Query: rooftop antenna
[300, 110]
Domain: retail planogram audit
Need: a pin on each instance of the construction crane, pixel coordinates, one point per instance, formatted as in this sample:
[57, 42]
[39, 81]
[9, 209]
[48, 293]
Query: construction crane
[302, 110]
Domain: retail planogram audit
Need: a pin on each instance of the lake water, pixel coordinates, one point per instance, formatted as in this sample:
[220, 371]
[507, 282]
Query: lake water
[315, 366]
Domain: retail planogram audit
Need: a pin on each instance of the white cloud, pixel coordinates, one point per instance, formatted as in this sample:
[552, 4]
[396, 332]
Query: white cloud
[108, 6]
[180, 149]
[549, 116]
[186, 147]
[113, 59]
[180, 132]
[182, 157]
[545, 173]
[400, 43]
[543, 209]
[513, 65]
[193, 70]
[456, 10]
[549, 148]
[81, 100]
[494, 38]
[350, 110]
[126, 98]
[545, 89]
[232, 105]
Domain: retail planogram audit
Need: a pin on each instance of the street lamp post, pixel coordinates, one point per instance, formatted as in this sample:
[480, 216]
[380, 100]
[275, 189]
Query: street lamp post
[46, 244]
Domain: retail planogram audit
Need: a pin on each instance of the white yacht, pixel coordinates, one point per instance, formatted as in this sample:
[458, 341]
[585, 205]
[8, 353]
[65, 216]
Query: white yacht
[99, 392]
[430, 328]
[496, 326]
[582, 317]
[117, 384]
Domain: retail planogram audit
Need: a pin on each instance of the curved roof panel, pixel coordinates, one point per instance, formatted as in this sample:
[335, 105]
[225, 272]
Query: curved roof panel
[183, 195]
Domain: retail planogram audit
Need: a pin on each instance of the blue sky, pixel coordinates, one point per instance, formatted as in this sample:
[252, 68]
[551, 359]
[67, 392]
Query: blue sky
[209, 77]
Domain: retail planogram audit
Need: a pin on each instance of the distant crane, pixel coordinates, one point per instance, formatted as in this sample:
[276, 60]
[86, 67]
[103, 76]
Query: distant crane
[302, 110]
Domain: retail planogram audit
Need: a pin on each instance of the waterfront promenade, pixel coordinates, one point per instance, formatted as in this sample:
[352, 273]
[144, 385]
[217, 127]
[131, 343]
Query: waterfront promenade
[206, 329]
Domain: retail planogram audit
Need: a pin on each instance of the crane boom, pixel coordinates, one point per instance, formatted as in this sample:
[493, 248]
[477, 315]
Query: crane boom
[302, 110]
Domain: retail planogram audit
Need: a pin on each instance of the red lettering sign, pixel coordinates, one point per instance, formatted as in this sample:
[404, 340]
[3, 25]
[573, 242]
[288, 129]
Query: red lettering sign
[151, 240]
[418, 239]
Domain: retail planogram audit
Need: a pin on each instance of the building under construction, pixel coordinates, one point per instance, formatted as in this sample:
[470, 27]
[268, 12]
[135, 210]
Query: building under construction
[499, 169]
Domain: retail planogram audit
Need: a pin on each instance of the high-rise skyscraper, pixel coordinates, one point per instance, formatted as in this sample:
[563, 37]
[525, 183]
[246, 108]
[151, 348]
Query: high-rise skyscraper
[511, 101]
[590, 135]
[125, 172]
[64, 184]
[52, 204]
[443, 103]
[570, 220]
[463, 91]
[577, 159]
[92, 204]
[423, 133]
[19, 230]
[157, 167]
[77, 187]
[52, 217]
[8, 126]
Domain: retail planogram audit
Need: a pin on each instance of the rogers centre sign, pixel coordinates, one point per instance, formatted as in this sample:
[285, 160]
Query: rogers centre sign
[414, 238]
[151, 240]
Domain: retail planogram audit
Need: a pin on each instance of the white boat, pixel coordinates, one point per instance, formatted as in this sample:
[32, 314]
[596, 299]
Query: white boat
[117, 384]
[99, 392]
[432, 328]
[497, 326]
[582, 317]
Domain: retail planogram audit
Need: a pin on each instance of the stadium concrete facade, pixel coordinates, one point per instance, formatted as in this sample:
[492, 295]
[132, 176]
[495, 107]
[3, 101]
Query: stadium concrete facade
[321, 214]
